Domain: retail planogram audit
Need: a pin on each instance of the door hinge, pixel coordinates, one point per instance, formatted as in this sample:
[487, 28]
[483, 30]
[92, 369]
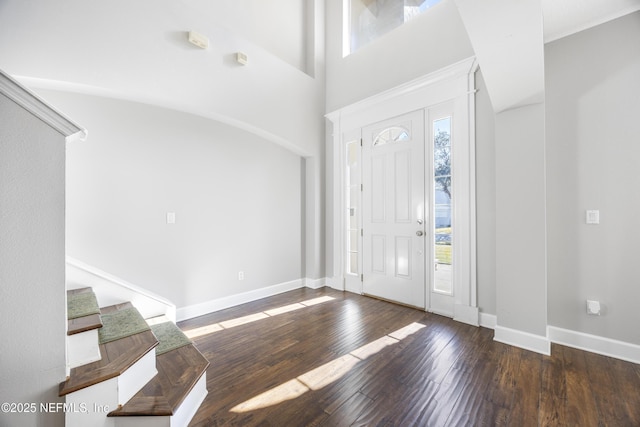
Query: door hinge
[362, 277]
[362, 232]
[361, 187]
[360, 142]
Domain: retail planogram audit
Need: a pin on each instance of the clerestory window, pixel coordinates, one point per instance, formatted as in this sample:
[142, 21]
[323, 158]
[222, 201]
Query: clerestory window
[366, 20]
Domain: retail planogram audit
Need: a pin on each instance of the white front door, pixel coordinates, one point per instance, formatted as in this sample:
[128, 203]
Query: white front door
[393, 201]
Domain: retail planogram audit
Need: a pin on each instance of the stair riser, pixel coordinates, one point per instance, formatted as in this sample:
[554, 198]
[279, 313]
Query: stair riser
[83, 348]
[142, 421]
[181, 418]
[101, 398]
[95, 402]
[134, 378]
[190, 405]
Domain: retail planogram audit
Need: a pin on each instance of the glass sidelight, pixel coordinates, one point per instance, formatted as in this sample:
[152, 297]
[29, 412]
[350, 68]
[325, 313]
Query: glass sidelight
[353, 206]
[442, 196]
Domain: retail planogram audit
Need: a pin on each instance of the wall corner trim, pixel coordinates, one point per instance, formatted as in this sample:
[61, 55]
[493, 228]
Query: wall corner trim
[314, 283]
[488, 320]
[466, 314]
[595, 344]
[31, 102]
[538, 343]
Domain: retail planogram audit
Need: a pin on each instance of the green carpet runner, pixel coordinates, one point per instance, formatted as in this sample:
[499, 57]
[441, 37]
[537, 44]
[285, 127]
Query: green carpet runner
[81, 305]
[121, 324]
[169, 337]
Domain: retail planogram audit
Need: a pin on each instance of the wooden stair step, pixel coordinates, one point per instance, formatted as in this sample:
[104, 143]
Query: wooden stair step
[178, 372]
[117, 357]
[84, 323]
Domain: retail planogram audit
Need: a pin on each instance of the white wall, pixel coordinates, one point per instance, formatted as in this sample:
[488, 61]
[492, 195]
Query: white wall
[520, 220]
[32, 290]
[279, 26]
[237, 200]
[139, 51]
[593, 154]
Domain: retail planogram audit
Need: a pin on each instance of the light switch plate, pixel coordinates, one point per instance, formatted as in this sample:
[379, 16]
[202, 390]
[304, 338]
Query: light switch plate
[593, 217]
[171, 217]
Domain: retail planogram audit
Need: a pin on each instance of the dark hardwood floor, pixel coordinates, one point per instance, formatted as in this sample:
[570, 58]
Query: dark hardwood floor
[327, 358]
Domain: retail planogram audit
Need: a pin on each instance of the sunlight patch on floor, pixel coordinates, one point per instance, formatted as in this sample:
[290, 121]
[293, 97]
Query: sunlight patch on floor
[316, 301]
[326, 374]
[329, 372]
[373, 347]
[203, 330]
[287, 391]
[401, 334]
[231, 323]
[285, 309]
[243, 320]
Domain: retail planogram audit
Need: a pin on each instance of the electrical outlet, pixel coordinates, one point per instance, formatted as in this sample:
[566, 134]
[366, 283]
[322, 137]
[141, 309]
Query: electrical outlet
[241, 275]
[593, 307]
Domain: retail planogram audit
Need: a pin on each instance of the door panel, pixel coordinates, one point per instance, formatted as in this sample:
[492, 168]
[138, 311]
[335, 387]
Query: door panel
[378, 199]
[393, 218]
[403, 202]
[378, 254]
[403, 257]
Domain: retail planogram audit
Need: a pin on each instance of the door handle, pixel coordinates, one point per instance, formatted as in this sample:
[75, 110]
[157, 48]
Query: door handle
[420, 221]
[419, 233]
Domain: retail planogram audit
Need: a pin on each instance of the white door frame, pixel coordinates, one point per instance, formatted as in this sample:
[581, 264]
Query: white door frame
[453, 82]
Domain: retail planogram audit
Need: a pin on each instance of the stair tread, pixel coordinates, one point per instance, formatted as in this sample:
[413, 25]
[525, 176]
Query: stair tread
[79, 291]
[112, 308]
[116, 357]
[178, 372]
[83, 324]
[82, 318]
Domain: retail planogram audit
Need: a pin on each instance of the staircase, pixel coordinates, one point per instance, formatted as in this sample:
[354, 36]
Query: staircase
[126, 370]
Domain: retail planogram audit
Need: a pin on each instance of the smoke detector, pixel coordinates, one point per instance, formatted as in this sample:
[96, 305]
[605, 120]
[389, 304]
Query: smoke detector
[242, 58]
[198, 39]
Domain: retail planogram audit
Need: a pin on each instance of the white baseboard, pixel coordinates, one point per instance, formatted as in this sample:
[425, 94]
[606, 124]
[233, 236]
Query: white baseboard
[595, 344]
[465, 314]
[514, 337]
[191, 311]
[587, 342]
[336, 283]
[488, 320]
[314, 283]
